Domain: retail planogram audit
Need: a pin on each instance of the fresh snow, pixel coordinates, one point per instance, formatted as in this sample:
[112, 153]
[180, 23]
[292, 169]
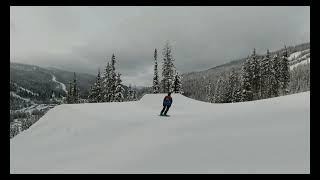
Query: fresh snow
[265, 136]
[294, 55]
[63, 86]
[307, 61]
[297, 54]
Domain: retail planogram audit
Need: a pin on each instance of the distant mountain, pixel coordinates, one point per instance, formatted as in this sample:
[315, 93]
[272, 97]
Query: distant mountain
[40, 80]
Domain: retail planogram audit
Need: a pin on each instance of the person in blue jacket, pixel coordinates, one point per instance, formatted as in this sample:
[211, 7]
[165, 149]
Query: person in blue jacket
[167, 101]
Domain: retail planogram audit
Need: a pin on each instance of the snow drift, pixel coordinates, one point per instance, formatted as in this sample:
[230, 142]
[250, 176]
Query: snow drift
[265, 136]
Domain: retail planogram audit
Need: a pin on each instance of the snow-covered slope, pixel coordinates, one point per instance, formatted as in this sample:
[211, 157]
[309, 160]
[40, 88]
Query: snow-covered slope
[63, 86]
[266, 136]
[299, 58]
[307, 61]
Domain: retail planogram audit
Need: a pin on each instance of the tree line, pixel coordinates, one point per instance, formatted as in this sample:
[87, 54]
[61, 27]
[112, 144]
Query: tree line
[260, 77]
[106, 88]
[171, 80]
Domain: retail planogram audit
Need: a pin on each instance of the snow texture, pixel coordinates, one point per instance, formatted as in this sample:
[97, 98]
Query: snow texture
[63, 86]
[307, 61]
[265, 136]
[294, 55]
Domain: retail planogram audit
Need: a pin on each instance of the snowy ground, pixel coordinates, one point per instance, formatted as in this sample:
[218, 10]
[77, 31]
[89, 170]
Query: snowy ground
[266, 136]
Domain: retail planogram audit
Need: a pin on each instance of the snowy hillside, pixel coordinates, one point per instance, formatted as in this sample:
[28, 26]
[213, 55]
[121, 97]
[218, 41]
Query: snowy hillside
[299, 58]
[266, 136]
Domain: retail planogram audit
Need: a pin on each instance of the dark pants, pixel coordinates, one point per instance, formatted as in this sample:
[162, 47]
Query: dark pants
[165, 110]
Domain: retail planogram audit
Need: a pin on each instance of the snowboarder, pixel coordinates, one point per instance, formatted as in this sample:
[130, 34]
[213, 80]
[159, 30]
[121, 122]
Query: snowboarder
[167, 101]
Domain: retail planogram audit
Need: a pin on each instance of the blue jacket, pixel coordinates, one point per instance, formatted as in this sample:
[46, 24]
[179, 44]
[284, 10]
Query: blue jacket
[167, 101]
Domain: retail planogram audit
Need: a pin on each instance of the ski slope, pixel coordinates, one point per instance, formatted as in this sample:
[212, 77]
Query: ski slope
[63, 86]
[265, 136]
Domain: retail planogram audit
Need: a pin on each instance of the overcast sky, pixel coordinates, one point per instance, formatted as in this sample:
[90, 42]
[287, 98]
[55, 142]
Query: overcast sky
[83, 39]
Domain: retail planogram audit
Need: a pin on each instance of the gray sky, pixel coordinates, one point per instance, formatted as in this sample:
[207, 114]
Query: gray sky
[84, 38]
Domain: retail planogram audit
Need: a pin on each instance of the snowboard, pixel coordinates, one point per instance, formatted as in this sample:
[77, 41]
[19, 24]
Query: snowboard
[165, 115]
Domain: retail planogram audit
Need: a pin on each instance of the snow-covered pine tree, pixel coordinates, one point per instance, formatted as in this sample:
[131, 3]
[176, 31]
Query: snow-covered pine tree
[168, 69]
[130, 93]
[246, 86]
[113, 79]
[75, 92]
[119, 92]
[265, 75]
[219, 94]
[96, 90]
[135, 96]
[275, 76]
[69, 94]
[98, 87]
[255, 69]
[177, 88]
[106, 84]
[208, 91]
[284, 71]
[91, 94]
[156, 85]
[231, 85]
[237, 97]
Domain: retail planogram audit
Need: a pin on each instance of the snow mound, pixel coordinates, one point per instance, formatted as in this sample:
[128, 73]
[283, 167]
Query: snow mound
[265, 136]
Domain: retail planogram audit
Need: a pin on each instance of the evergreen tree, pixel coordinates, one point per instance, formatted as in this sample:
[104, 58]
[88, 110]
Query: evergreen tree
[255, 72]
[219, 95]
[246, 87]
[209, 97]
[113, 79]
[284, 71]
[75, 90]
[131, 94]
[177, 88]
[167, 69]
[237, 97]
[156, 86]
[118, 95]
[91, 94]
[106, 84]
[73, 94]
[265, 74]
[275, 76]
[231, 87]
[69, 94]
[96, 90]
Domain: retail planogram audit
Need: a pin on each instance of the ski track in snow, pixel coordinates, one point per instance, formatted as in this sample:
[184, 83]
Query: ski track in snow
[63, 86]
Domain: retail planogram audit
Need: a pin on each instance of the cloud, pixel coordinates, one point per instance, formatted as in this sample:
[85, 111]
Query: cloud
[84, 38]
